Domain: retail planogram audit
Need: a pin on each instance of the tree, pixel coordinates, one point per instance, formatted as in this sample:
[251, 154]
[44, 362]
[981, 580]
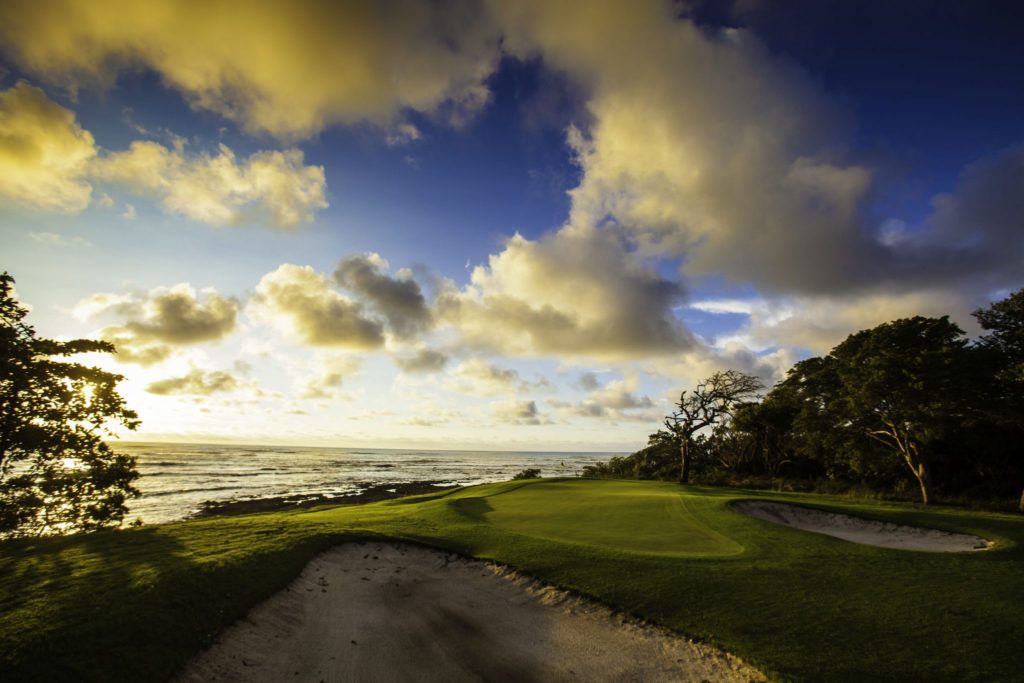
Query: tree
[767, 427]
[906, 384]
[820, 431]
[1004, 322]
[56, 473]
[711, 402]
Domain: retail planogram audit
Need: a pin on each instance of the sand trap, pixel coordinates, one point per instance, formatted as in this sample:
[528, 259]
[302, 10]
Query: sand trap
[391, 612]
[868, 532]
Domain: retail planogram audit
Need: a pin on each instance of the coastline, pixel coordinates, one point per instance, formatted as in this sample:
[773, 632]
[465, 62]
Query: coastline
[368, 493]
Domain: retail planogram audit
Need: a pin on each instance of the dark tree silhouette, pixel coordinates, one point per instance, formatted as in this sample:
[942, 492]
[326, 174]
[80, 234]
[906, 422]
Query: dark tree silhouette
[1003, 322]
[56, 473]
[711, 402]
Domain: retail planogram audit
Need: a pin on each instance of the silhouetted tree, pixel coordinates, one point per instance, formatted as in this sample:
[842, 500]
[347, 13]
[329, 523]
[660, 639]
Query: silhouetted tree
[1004, 323]
[56, 473]
[711, 402]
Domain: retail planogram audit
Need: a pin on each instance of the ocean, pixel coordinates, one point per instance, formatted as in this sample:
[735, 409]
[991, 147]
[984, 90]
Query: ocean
[176, 479]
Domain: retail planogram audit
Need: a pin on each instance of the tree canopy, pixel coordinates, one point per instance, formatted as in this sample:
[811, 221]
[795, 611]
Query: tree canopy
[905, 384]
[57, 475]
[1004, 323]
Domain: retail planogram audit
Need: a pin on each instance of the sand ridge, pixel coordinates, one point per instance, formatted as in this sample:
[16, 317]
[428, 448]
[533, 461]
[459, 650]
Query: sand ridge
[857, 530]
[379, 611]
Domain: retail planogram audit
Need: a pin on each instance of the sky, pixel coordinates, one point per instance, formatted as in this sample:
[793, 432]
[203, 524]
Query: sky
[500, 225]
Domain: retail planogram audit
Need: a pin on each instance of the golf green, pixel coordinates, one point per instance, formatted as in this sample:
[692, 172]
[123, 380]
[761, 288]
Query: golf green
[656, 519]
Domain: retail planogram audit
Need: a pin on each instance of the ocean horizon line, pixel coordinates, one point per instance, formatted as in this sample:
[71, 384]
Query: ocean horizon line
[429, 449]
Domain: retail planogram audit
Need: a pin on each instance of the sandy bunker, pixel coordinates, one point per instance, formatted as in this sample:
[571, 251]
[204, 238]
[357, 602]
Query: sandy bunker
[383, 611]
[857, 530]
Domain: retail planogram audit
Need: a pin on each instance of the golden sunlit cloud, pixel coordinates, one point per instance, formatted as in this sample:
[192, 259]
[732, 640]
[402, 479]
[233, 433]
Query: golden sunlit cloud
[48, 162]
[699, 144]
[44, 153]
[274, 187]
[288, 69]
[196, 383]
[302, 302]
[574, 293]
[151, 326]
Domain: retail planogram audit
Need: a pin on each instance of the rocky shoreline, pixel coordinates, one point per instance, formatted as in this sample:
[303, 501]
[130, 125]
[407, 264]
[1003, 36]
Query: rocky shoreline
[368, 493]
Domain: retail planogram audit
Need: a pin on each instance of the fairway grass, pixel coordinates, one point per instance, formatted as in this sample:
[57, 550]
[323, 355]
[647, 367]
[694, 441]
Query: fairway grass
[136, 604]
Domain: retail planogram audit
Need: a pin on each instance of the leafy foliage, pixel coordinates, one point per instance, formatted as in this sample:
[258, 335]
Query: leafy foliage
[658, 461]
[906, 384]
[1004, 322]
[528, 473]
[56, 473]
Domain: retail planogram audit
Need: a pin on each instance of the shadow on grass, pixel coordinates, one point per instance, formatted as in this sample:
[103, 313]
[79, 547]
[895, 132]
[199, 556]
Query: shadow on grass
[133, 605]
[475, 509]
[94, 594]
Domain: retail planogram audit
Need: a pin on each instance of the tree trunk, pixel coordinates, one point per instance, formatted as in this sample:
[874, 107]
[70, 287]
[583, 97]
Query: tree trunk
[924, 478]
[918, 465]
[684, 454]
[1022, 502]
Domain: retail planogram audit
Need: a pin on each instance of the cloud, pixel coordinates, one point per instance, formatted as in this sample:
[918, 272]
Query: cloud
[686, 370]
[424, 360]
[130, 349]
[617, 400]
[588, 381]
[819, 323]
[399, 300]
[274, 186]
[196, 383]
[573, 293]
[44, 153]
[975, 231]
[517, 412]
[480, 378]
[302, 301]
[621, 395]
[53, 238]
[700, 144]
[403, 134]
[47, 162]
[150, 326]
[288, 70]
[332, 371]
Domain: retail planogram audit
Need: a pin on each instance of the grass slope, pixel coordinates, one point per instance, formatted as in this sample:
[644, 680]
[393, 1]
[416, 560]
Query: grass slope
[134, 605]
